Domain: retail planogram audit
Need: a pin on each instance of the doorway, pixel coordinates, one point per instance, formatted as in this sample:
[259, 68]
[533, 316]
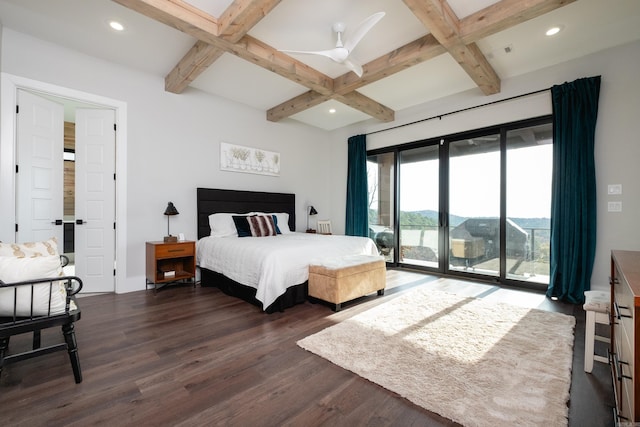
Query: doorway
[72, 200]
[10, 85]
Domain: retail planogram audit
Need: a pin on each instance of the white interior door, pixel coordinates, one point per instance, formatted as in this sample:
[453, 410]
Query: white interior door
[95, 199]
[39, 180]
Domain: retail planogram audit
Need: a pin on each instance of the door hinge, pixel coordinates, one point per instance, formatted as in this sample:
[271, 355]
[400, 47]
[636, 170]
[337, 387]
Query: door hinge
[16, 228]
[17, 109]
[114, 271]
[114, 225]
[114, 176]
[115, 127]
[16, 168]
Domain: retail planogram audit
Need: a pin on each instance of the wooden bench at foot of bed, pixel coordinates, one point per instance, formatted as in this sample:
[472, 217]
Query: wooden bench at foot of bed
[339, 280]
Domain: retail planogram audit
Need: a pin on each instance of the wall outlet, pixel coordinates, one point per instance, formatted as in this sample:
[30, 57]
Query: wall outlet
[614, 189]
[614, 206]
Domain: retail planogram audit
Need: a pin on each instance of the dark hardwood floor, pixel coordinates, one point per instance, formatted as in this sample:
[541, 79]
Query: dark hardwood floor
[194, 356]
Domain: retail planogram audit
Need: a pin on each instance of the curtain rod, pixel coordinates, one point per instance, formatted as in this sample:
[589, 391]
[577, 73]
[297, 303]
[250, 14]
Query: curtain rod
[440, 116]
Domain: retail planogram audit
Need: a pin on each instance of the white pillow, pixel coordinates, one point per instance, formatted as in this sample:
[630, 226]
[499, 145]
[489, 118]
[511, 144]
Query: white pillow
[222, 225]
[14, 269]
[283, 222]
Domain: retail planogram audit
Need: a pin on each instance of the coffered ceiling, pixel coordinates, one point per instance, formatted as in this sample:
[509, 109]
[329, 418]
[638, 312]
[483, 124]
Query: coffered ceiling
[421, 50]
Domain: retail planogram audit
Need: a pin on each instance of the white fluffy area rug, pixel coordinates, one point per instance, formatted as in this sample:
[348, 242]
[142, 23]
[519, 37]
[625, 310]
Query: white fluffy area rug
[474, 362]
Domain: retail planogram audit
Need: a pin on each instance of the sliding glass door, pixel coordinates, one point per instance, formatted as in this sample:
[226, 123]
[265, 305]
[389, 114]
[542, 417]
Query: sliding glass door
[475, 204]
[381, 182]
[529, 158]
[420, 206]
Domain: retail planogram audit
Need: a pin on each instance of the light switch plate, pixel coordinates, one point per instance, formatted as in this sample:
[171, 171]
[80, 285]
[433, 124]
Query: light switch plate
[614, 189]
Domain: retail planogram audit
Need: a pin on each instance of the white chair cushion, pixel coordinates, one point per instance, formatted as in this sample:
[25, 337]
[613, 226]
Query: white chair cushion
[14, 269]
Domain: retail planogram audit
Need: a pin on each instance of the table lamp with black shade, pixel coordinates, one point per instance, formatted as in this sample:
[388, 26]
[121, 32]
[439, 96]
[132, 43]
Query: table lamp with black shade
[170, 211]
[312, 211]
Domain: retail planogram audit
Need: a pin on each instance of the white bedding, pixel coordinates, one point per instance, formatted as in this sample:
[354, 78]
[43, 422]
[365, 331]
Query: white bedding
[272, 264]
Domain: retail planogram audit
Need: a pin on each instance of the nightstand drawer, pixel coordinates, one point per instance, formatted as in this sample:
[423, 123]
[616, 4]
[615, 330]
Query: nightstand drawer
[172, 250]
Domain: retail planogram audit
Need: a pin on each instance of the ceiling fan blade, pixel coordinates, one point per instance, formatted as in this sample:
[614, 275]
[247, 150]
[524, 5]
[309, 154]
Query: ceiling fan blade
[337, 54]
[363, 29]
[327, 53]
[356, 68]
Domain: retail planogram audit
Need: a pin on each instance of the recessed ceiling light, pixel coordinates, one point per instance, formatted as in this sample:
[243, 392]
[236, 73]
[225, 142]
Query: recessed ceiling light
[332, 110]
[553, 31]
[116, 26]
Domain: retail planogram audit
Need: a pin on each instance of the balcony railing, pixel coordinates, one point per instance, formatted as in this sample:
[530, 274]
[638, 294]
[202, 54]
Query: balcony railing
[419, 245]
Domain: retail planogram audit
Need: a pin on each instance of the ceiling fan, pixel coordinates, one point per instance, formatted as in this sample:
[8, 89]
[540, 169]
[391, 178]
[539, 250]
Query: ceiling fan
[341, 52]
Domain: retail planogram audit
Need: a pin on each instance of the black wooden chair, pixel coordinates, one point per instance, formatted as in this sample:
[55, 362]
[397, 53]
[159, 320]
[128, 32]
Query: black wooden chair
[19, 324]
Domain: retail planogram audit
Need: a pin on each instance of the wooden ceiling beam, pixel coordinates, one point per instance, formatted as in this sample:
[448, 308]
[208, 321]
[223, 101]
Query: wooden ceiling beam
[229, 34]
[295, 105]
[203, 27]
[195, 62]
[400, 59]
[253, 50]
[179, 15]
[503, 15]
[444, 25]
[242, 15]
[497, 17]
[345, 86]
[311, 99]
[367, 105]
[235, 22]
[239, 17]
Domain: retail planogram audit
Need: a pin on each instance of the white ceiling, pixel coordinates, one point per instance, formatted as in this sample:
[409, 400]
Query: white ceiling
[150, 46]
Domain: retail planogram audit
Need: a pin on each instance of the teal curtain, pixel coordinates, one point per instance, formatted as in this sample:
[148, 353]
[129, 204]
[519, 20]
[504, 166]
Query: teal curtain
[357, 221]
[573, 197]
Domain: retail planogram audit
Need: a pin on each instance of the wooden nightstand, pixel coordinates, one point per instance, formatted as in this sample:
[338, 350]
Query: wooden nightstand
[170, 262]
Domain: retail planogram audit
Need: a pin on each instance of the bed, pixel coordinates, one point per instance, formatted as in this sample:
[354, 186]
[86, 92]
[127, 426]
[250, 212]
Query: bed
[270, 272]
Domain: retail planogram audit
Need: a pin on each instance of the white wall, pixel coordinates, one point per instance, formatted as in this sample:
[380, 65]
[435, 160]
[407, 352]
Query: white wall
[617, 146]
[173, 142]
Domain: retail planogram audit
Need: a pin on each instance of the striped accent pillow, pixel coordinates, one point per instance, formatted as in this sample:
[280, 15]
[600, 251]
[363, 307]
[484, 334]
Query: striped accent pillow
[262, 225]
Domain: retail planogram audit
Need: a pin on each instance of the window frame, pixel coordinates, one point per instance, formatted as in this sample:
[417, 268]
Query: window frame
[443, 142]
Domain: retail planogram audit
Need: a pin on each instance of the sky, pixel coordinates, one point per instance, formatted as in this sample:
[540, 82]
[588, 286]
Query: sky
[475, 184]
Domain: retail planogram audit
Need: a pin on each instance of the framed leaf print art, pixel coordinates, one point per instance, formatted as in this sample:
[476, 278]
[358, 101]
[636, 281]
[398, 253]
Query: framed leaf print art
[236, 158]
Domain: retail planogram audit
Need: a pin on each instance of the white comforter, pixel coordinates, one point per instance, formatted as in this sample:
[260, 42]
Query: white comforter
[272, 264]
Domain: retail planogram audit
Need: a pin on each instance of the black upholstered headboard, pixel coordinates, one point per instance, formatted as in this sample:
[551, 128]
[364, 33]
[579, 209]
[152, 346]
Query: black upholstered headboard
[213, 200]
